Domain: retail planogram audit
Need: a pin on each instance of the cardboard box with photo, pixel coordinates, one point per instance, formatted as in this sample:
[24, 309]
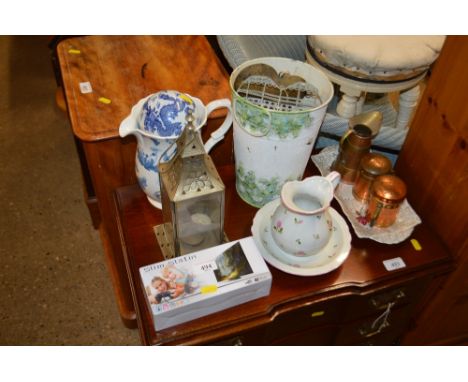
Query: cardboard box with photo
[205, 282]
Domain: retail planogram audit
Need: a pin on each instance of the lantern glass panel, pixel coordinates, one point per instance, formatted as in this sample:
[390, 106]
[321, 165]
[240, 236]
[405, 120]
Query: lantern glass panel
[199, 222]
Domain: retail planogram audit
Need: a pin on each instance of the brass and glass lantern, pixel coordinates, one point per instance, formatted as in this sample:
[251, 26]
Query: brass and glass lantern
[192, 195]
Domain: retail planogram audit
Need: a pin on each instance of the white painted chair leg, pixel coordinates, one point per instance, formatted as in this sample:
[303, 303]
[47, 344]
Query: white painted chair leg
[346, 107]
[407, 105]
[360, 103]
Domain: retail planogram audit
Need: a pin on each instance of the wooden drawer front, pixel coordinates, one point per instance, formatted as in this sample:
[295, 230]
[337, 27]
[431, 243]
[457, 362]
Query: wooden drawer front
[318, 336]
[293, 321]
[254, 337]
[375, 329]
[364, 305]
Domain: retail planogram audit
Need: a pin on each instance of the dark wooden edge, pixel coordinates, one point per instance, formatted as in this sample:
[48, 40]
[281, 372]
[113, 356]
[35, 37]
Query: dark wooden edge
[129, 266]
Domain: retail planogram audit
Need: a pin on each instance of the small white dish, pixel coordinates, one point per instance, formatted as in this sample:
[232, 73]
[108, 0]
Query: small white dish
[328, 259]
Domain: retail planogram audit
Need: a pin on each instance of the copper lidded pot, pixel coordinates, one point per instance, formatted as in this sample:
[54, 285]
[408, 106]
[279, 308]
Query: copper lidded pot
[387, 194]
[372, 165]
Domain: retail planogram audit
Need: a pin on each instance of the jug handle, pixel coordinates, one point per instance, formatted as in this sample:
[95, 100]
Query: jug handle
[219, 134]
[345, 135]
[334, 177]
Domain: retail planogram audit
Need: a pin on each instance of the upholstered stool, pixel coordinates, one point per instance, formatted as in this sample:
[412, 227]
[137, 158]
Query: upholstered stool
[375, 64]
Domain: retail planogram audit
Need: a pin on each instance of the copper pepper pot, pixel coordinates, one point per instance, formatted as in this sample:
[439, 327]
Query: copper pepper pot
[387, 194]
[372, 165]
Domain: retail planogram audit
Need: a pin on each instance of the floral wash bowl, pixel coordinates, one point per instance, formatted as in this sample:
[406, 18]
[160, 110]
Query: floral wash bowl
[277, 117]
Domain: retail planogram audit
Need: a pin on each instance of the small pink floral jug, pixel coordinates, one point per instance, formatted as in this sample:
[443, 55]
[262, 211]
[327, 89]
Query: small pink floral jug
[302, 225]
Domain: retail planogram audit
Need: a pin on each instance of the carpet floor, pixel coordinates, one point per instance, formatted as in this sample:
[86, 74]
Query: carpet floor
[54, 285]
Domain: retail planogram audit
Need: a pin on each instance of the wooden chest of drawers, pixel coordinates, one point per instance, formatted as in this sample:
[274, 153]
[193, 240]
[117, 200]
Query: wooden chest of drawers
[359, 303]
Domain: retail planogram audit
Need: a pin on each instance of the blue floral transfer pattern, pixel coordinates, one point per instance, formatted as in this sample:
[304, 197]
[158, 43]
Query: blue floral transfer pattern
[149, 158]
[149, 162]
[164, 113]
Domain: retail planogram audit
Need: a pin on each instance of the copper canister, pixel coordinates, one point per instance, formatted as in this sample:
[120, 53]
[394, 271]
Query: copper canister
[353, 146]
[372, 165]
[387, 194]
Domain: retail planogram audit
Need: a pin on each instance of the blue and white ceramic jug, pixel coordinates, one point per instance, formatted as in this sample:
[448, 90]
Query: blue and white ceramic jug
[157, 121]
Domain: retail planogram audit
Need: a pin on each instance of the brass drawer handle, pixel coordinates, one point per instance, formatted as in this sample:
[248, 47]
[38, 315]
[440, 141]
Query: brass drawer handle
[379, 324]
[381, 301]
[363, 332]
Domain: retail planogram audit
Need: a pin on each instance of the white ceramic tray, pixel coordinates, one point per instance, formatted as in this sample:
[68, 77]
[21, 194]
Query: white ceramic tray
[331, 257]
[402, 228]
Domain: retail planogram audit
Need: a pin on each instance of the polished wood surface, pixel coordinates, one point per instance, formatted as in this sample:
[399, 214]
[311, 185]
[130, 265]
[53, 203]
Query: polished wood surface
[434, 164]
[124, 69]
[340, 295]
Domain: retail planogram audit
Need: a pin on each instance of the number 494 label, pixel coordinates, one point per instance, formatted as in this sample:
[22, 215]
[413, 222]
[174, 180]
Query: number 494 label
[393, 264]
[207, 267]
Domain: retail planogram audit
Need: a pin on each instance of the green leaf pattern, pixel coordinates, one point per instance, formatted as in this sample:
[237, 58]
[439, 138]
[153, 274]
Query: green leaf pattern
[256, 192]
[262, 122]
[253, 119]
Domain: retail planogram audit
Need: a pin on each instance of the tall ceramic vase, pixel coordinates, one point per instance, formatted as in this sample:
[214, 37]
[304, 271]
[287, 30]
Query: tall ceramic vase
[272, 146]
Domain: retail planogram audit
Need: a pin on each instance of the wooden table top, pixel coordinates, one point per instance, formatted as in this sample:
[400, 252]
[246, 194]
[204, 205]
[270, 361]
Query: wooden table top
[124, 69]
[363, 267]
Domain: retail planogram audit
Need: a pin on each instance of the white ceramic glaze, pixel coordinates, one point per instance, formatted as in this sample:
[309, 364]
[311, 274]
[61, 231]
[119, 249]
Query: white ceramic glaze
[264, 165]
[328, 259]
[270, 146]
[301, 224]
[157, 121]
